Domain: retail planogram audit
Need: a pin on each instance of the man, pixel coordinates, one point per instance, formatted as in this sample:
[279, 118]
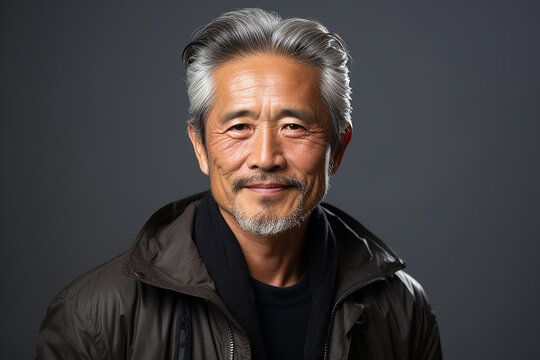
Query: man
[256, 268]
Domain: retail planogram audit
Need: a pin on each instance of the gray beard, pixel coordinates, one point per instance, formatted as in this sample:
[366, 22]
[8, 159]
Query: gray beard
[267, 226]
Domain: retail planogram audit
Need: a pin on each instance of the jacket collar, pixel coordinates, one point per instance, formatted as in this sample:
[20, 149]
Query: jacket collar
[362, 256]
[164, 254]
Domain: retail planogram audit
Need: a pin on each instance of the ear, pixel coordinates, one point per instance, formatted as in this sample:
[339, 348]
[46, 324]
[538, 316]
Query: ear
[200, 150]
[339, 150]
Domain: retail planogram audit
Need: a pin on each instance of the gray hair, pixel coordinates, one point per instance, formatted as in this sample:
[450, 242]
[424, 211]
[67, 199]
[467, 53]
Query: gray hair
[250, 31]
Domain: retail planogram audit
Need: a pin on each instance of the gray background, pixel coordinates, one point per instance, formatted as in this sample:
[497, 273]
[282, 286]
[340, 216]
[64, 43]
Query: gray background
[443, 164]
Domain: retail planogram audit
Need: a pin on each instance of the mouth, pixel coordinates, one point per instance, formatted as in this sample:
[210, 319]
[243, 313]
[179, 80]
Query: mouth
[267, 188]
[267, 184]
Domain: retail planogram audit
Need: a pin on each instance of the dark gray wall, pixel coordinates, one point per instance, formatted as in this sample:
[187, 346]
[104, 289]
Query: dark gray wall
[444, 162]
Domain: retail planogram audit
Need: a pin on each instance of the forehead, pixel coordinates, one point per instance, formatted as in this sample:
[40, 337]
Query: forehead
[279, 77]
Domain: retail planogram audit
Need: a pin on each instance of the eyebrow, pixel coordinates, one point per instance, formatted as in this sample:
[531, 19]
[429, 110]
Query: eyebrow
[231, 115]
[299, 114]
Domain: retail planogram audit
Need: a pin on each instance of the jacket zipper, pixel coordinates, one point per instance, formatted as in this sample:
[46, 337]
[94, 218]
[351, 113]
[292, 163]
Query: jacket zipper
[231, 340]
[337, 303]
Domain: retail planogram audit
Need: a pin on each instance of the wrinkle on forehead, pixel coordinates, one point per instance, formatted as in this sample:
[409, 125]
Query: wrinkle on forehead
[245, 72]
[265, 78]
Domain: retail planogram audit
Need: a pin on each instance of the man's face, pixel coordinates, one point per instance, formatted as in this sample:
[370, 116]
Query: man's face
[268, 140]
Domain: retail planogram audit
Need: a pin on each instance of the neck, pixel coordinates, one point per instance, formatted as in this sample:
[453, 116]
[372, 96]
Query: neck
[275, 260]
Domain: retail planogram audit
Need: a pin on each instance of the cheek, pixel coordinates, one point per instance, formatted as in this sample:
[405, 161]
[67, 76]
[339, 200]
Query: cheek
[311, 162]
[226, 154]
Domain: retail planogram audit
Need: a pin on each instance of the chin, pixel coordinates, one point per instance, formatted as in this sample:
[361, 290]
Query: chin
[269, 226]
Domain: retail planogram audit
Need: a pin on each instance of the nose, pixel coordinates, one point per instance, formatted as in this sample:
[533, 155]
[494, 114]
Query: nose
[266, 150]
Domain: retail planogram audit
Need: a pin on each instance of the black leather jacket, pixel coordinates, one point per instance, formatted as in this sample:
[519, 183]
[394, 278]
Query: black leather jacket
[157, 301]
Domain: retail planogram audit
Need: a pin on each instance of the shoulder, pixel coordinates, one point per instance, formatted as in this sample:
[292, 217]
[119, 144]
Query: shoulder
[398, 305]
[407, 285]
[103, 283]
[398, 294]
[79, 318]
[92, 304]
[397, 315]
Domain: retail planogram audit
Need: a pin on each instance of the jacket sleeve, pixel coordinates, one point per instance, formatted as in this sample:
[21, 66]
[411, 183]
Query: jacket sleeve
[428, 343]
[66, 334]
[425, 331]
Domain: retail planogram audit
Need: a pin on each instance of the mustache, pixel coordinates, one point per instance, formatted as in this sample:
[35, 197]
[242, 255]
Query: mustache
[243, 181]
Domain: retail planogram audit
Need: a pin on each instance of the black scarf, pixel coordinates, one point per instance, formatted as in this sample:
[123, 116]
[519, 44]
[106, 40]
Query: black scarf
[227, 267]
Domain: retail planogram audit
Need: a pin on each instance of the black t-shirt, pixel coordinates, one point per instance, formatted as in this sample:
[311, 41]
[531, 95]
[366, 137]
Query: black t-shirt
[283, 316]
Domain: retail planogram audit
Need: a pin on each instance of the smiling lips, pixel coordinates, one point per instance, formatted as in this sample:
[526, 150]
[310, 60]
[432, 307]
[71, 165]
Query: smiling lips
[267, 188]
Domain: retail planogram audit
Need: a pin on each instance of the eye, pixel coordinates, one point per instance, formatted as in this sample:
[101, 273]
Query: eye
[239, 131]
[293, 127]
[238, 127]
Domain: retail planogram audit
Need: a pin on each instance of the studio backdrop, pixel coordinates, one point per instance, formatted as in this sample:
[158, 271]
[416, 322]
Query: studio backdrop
[443, 164]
